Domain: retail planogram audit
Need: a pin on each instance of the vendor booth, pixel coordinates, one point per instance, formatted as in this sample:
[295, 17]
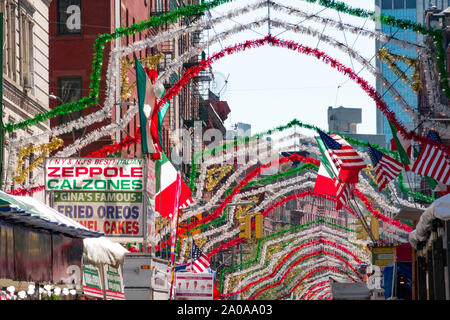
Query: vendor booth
[41, 248]
[430, 239]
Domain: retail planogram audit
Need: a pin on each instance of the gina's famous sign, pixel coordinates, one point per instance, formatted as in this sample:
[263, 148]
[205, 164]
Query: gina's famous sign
[91, 174]
[116, 214]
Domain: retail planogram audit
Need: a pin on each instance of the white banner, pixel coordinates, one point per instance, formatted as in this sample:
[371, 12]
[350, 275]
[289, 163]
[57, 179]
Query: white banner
[193, 286]
[116, 214]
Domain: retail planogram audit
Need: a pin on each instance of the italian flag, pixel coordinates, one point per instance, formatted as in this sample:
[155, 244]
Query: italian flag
[168, 180]
[324, 183]
[402, 145]
[147, 102]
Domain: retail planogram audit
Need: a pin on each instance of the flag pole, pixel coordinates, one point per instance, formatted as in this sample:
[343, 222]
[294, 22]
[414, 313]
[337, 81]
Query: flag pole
[370, 167]
[336, 175]
[395, 195]
[173, 236]
[409, 183]
[404, 158]
[172, 252]
[190, 254]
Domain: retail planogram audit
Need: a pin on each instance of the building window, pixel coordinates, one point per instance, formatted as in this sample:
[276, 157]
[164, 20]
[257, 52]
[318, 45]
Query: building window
[386, 4]
[410, 4]
[159, 6]
[173, 5]
[399, 4]
[69, 16]
[10, 41]
[26, 49]
[69, 90]
[2, 10]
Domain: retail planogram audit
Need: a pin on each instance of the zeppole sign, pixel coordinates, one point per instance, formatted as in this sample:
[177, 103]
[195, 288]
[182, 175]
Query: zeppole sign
[92, 174]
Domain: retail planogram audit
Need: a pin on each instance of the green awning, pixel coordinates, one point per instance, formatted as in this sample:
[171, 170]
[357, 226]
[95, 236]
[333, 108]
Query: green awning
[30, 211]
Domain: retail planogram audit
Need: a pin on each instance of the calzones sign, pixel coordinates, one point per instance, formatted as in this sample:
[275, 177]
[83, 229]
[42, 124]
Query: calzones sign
[94, 174]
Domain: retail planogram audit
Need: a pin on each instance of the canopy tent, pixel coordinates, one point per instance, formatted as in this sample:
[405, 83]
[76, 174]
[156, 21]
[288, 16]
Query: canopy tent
[100, 251]
[404, 280]
[32, 212]
[27, 210]
[349, 290]
[39, 244]
[439, 209]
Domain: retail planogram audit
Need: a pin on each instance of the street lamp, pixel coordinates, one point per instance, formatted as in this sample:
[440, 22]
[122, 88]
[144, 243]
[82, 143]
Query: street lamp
[232, 204]
[53, 97]
[126, 103]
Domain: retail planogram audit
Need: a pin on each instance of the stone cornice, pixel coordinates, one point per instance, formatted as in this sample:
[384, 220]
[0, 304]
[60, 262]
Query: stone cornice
[17, 110]
[20, 103]
[47, 2]
[28, 6]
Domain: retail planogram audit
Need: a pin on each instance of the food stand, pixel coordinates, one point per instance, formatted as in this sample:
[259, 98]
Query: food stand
[34, 236]
[430, 241]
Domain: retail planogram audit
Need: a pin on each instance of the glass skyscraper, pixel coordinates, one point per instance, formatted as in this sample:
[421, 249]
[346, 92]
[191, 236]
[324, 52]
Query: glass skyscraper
[412, 10]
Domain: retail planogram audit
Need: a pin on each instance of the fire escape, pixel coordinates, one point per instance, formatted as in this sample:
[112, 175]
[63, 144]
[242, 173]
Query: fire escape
[200, 84]
[167, 48]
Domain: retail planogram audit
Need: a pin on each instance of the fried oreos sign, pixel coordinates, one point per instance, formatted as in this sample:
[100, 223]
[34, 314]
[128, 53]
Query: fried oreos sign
[88, 174]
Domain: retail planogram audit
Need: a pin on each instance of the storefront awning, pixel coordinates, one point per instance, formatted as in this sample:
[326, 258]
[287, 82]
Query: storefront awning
[439, 209]
[32, 212]
[99, 251]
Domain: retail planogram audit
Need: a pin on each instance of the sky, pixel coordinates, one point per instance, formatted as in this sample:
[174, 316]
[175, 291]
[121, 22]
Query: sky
[270, 86]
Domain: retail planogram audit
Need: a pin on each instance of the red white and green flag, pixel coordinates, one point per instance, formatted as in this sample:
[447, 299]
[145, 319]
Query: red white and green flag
[402, 145]
[325, 184]
[147, 102]
[343, 157]
[167, 180]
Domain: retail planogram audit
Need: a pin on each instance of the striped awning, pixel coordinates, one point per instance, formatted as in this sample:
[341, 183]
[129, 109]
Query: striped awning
[33, 213]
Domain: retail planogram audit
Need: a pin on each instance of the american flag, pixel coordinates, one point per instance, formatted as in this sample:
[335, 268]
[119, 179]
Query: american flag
[386, 168]
[433, 135]
[343, 194]
[432, 162]
[345, 158]
[198, 262]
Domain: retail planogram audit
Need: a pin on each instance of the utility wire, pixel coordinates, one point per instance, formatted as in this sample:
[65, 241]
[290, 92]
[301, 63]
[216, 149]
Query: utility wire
[301, 21]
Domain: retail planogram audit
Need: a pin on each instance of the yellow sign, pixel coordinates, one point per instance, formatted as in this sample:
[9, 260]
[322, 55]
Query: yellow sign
[246, 226]
[383, 256]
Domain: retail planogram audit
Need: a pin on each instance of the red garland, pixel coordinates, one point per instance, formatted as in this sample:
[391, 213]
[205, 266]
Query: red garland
[301, 195]
[334, 269]
[269, 39]
[310, 292]
[287, 271]
[243, 182]
[101, 153]
[202, 65]
[224, 246]
[322, 297]
[306, 244]
[22, 192]
[380, 216]
[125, 143]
